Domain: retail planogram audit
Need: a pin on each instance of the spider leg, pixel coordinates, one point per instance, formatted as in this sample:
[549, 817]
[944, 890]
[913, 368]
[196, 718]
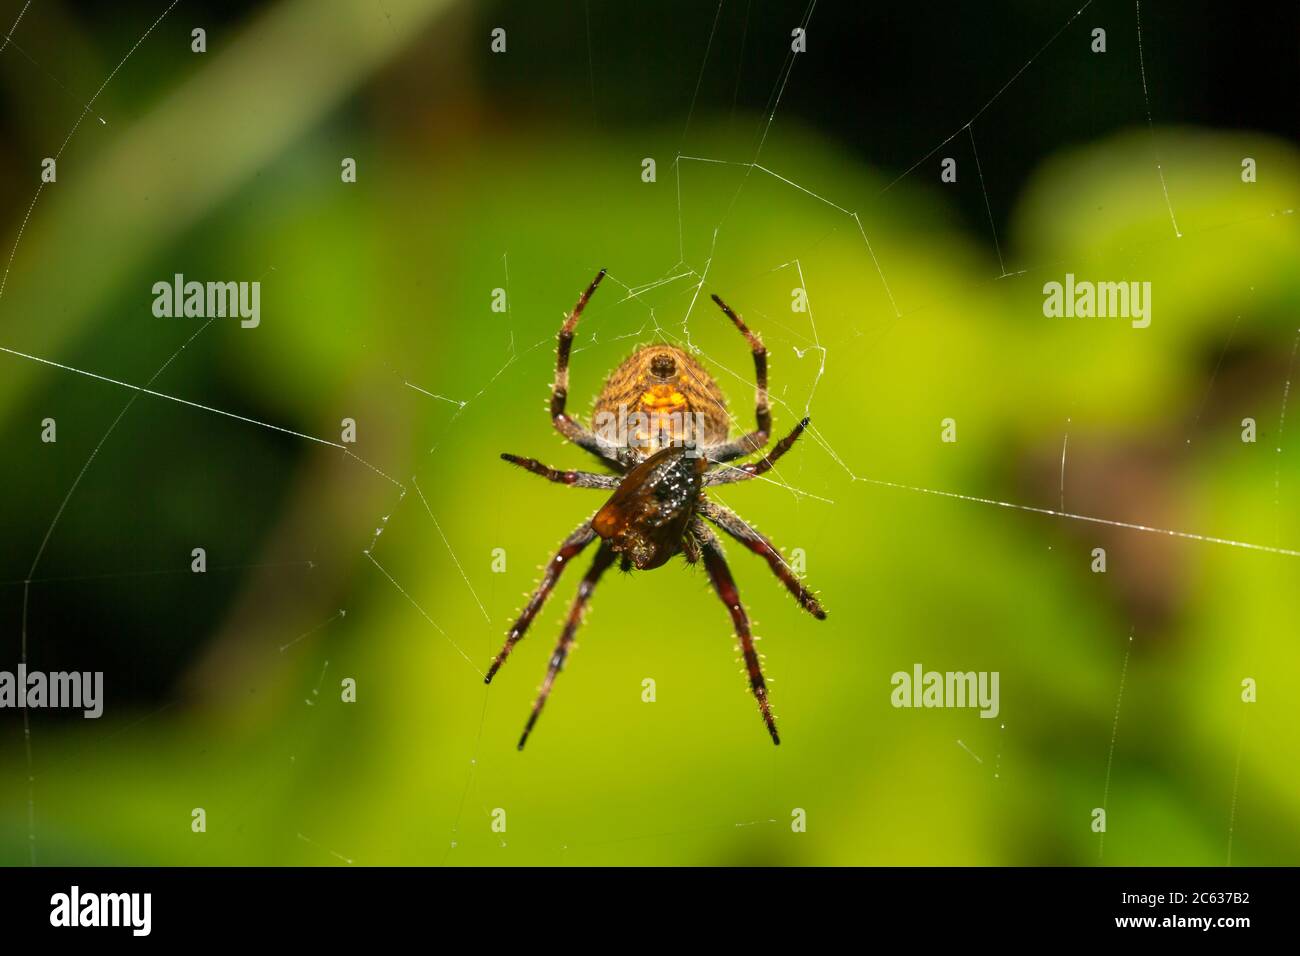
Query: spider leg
[582, 437]
[734, 525]
[604, 558]
[569, 550]
[753, 469]
[725, 586]
[747, 444]
[580, 479]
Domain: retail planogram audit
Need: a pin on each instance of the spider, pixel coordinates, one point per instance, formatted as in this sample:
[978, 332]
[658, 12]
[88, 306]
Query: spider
[658, 498]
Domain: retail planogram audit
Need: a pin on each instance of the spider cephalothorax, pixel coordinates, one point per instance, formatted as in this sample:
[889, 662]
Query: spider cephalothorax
[661, 423]
[647, 519]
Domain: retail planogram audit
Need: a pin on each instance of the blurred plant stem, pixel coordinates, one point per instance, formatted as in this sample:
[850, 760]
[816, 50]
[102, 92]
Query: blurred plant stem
[256, 95]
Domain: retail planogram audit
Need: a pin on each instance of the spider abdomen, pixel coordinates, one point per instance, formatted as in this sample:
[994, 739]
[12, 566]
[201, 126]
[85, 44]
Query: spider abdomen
[659, 397]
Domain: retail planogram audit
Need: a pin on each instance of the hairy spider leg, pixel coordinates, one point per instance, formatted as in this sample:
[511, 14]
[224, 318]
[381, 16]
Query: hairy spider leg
[605, 556]
[747, 444]
[582, 437]
[725, 586]
[579, 479]
[744, 472]
[738, 528]
[569, 550]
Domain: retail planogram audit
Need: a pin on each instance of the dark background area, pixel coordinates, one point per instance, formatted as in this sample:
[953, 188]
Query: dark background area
[891, 79]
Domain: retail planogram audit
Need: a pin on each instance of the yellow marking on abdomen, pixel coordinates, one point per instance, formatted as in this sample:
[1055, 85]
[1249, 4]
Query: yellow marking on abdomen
[662, 398]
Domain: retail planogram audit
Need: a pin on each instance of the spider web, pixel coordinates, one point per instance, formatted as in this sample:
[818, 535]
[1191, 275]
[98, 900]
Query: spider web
[661, 305]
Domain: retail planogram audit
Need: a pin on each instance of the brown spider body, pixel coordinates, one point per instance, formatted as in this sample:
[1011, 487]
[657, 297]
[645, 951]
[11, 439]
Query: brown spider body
[666, 397]
[648, 519]
[661, 423]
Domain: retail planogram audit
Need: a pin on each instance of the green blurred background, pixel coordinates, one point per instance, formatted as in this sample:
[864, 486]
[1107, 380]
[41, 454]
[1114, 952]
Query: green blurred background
[522, 171]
